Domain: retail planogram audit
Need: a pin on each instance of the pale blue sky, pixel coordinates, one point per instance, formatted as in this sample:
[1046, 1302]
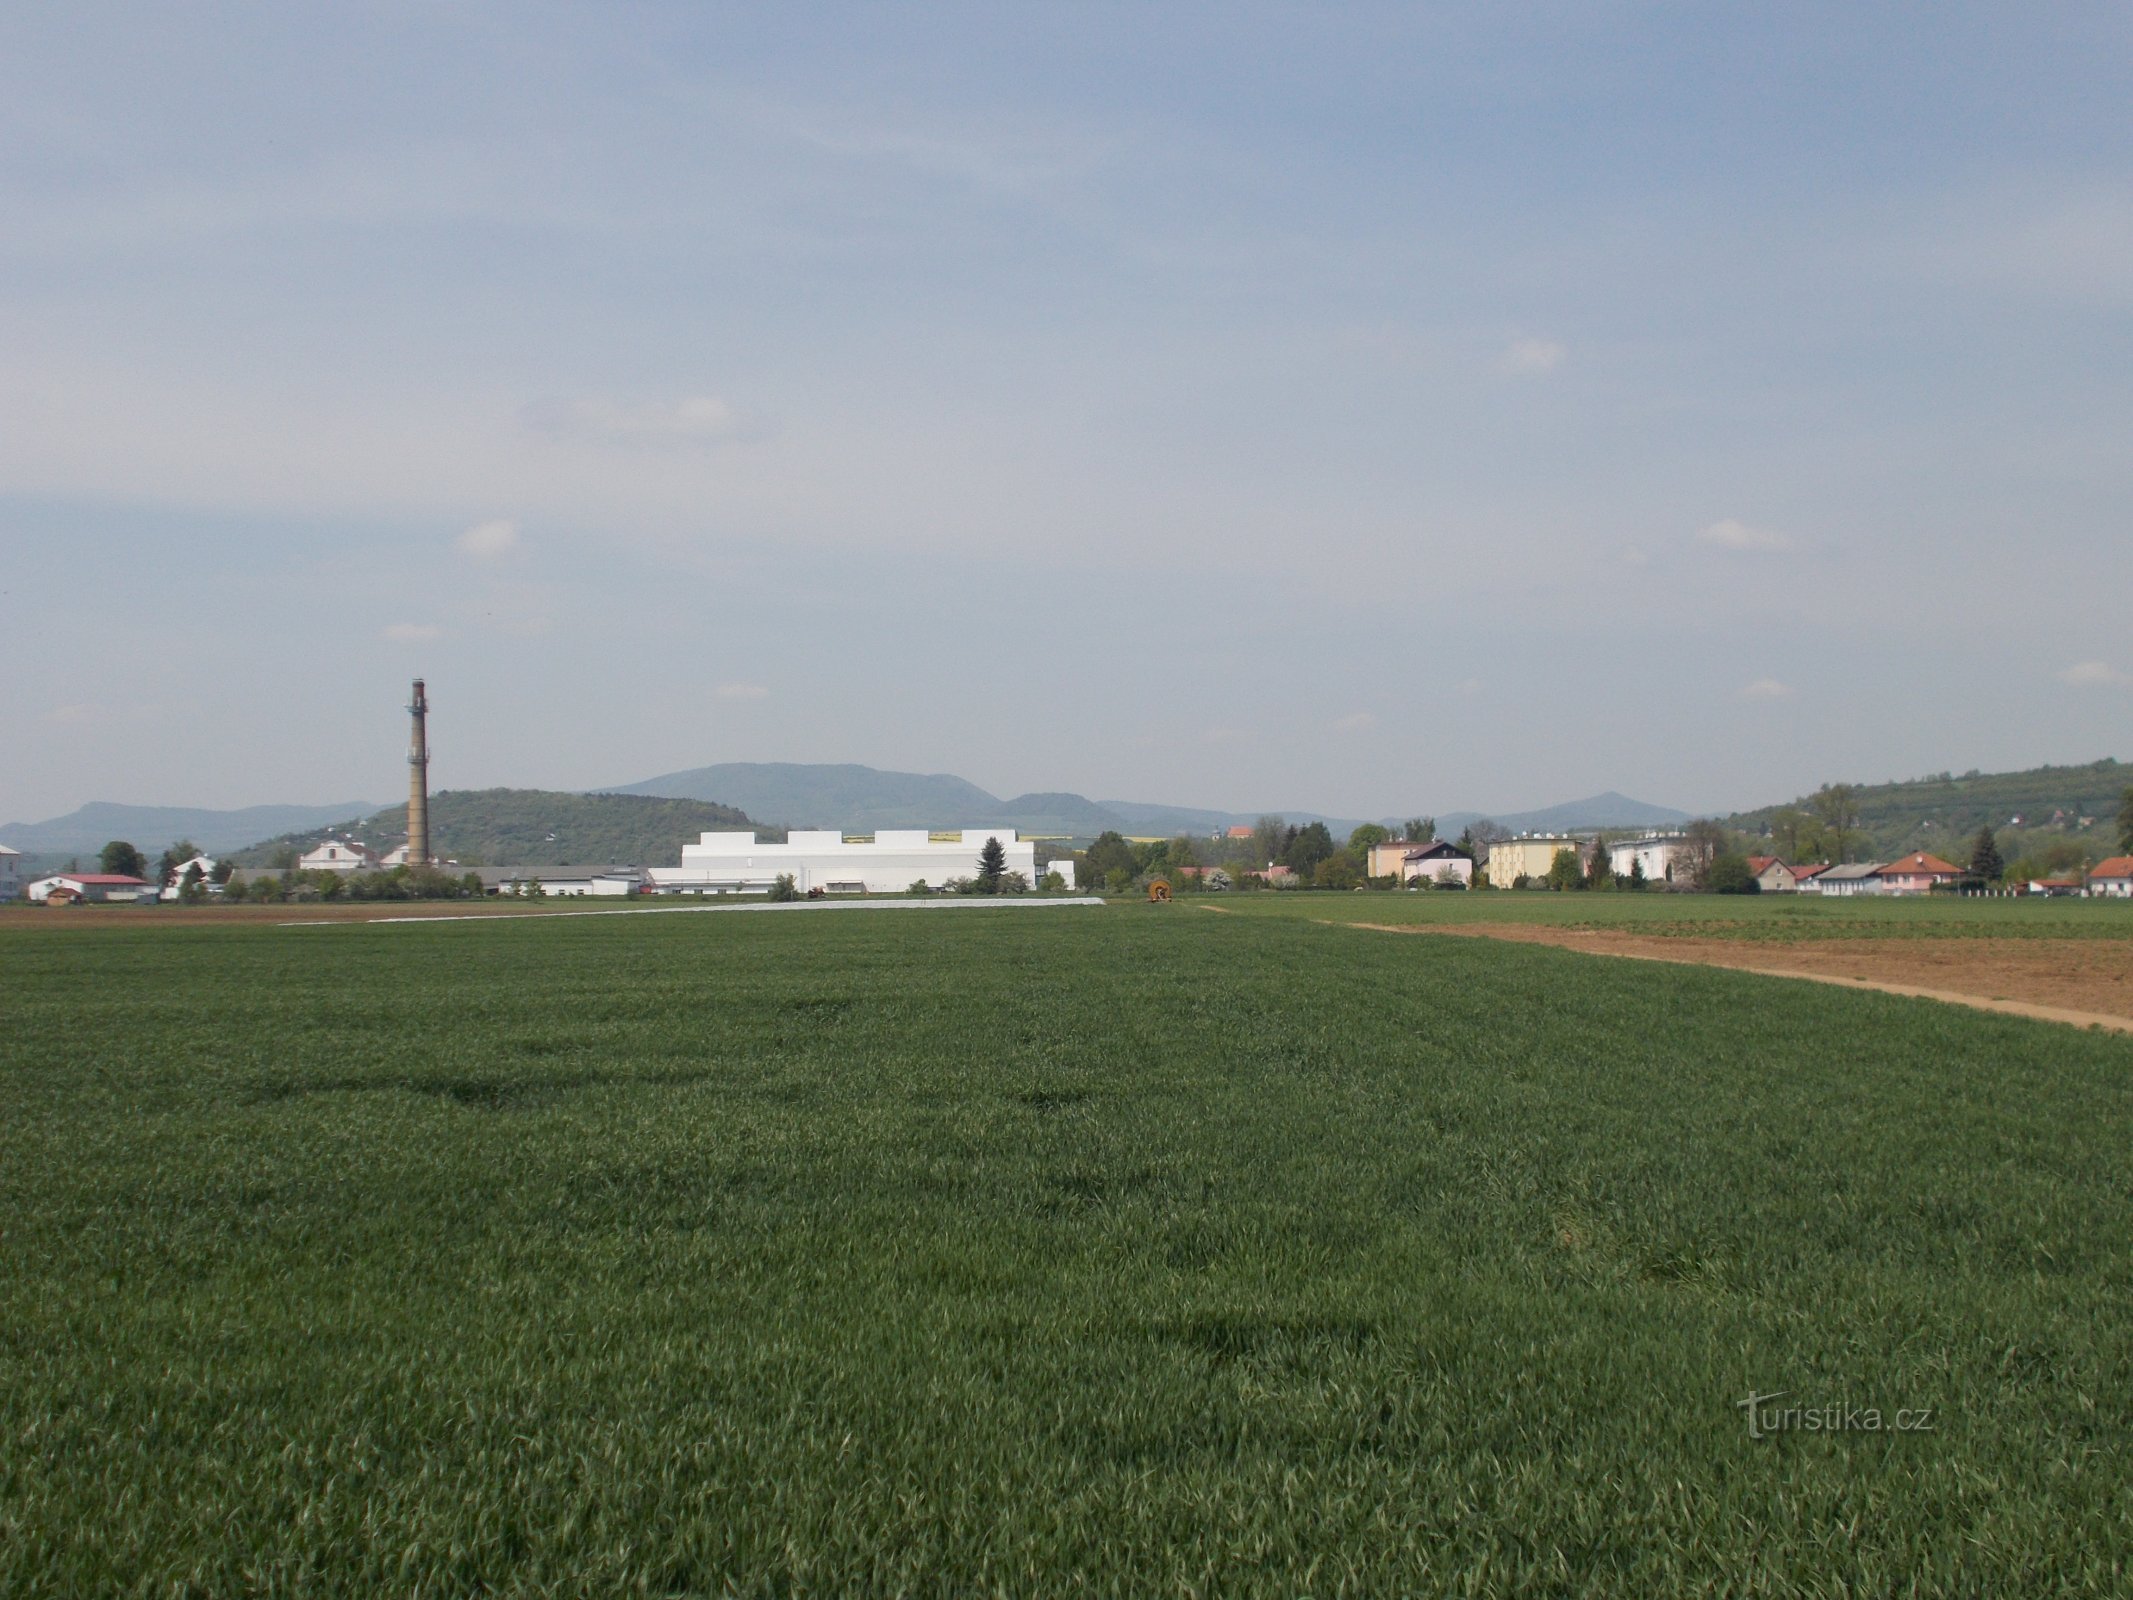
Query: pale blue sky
[1362, 408]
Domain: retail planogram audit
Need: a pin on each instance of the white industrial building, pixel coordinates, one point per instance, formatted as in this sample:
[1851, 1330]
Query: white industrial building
[1660, 854]
[889, 862]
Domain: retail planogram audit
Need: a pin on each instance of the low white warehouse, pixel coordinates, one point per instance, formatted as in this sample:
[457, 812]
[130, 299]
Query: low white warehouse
[888, 863]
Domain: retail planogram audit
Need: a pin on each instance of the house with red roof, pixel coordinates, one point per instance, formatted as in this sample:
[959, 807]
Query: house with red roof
[2112, 879]
[1916, 873]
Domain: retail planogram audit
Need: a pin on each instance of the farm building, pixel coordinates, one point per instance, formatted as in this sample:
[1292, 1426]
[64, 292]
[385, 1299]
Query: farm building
[567, 882]
[1850, 878]
[339, 855]
[10, 873]
[64, 888]
[2113, 879]
[888, 862]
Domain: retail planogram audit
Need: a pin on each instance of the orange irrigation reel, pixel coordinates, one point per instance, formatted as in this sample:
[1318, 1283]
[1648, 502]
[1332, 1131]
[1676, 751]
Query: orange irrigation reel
[1159, 891]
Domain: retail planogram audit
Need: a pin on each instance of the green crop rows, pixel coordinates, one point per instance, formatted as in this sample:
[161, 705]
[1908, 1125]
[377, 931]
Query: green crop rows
[1126, 1251]
[1771, 917]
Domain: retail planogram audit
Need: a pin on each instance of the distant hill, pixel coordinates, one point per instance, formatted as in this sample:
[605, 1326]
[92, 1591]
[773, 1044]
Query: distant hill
[800, 795]
[525, 827]
[1609, 810]
[805, 795]
[1942, 811]
[155, 828]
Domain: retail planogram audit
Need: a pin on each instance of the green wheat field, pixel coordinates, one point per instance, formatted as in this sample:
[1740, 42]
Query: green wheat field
[1116, 1251]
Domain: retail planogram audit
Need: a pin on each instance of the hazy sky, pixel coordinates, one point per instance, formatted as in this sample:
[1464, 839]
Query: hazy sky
[1364, 408]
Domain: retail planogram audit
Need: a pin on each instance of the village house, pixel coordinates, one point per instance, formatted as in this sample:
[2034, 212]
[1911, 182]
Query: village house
[1917, 873]
[1436, 863]
[1772, 876]
[2112, 879]
[1387, 858]
[10, 873]
[202, 869]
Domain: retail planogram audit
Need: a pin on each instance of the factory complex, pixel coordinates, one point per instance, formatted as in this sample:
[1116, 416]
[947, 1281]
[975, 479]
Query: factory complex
[888, 862]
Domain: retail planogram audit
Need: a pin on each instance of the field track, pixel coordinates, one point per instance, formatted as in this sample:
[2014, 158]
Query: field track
[2088, 984]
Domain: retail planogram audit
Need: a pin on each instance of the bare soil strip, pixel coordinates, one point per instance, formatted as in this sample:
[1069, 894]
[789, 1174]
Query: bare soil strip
[2087, 983]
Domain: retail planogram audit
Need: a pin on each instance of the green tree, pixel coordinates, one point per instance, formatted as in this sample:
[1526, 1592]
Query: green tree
[1110, 853]
[1600, 868]
[1420, 830]
[992, 862]
[2125, 823]
[1364, 837]
[1564, 871]
[1985, 859]
[1836, 808]
[120, 857]
[1311, 845]
[784, 887]
[1340, 870]
[1635, 881]
[1788, 826]
[1729, 873]
[175, 857]
[1270, 835]
[1705, 842]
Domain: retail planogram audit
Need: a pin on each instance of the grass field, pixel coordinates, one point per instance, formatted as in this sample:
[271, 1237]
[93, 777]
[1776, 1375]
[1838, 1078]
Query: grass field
[1133, 1250]
[1788, 917]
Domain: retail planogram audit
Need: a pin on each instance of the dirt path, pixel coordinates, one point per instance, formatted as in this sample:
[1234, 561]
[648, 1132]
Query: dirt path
[2085, 982]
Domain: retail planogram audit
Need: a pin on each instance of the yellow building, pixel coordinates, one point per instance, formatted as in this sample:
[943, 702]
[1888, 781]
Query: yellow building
[1512, 859]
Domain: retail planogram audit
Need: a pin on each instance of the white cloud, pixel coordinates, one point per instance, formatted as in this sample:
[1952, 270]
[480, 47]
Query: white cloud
[2090, 674]
[741, 691]
[1356, 722]
[485, 541]
[1730, 534]
[413, 632]
[694, 421]
[1526, 357]
[1767, 689]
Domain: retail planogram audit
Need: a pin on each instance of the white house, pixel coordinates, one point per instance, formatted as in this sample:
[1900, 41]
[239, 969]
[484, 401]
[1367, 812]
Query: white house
[887, 863]
[2112, 879]
[176, 887]
[1435, 862]
[1660, 853]
[339, 855]
[10, 873]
